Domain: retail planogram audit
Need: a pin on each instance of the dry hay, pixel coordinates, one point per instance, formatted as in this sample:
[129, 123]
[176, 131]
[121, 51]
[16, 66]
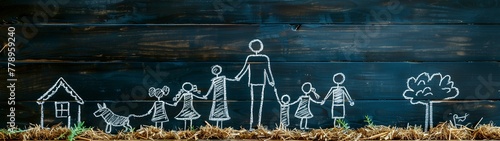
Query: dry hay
[391, 133]
[287, 134]
[334, 134]
[259, 133]
[443, 131]
[211, 132]
[487, 131]
[36, 132]
[92, 134]
[446, 131]
[153, 133]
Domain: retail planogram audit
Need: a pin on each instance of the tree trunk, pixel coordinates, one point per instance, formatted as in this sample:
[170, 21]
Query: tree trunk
[427, 115]
[431, 124]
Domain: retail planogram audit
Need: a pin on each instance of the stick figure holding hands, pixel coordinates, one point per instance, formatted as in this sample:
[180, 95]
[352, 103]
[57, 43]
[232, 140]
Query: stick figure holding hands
[159, 111]
[339, 93]
[284, 111]
[304, 109]
[219, 112]
[188, 112]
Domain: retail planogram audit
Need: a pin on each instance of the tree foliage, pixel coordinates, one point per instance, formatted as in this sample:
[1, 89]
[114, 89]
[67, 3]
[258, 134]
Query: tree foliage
[430, 87]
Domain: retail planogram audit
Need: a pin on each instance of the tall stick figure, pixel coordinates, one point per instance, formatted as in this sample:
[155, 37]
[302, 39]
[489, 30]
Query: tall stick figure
[339, 93]
[219, 112]
[258, 68]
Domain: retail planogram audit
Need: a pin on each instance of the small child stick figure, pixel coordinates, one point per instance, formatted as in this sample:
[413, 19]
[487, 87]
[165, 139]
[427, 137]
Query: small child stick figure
[284, 111]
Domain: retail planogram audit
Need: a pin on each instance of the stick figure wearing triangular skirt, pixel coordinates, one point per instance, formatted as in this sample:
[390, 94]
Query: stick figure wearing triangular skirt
[304, 109]
[188, 112]
[159, 110]
[339, 93]
[219, 112]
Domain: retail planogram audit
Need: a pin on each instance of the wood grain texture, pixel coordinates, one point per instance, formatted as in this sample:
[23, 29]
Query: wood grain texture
[364, 80]
[229, 43]
[113, 51]
[254, 11]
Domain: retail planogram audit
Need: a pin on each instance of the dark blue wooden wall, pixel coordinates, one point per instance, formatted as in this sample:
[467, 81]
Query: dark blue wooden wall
[112, 51]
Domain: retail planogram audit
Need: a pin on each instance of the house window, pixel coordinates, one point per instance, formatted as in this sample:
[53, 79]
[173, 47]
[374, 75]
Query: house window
[62, 109]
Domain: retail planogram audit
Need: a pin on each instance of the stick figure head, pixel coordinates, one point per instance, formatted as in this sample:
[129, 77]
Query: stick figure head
[254, 50]
[159, 93]
[165, 90]
[187, 86]
[216, 70]
[307, 86]
[285, 99]
[340, 76]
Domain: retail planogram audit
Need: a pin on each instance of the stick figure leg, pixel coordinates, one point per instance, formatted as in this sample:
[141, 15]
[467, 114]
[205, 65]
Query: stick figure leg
[256, 106]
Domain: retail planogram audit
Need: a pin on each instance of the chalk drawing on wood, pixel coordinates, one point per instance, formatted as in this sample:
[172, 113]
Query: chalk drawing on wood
[219, 111]
[63, 108]
[304, 109]
[285, 104]
[113, 119]
[186, 94]
[339, 94]
[285, 111]
[458, 121]
[258, 68]
[159, 110]
[425, 88]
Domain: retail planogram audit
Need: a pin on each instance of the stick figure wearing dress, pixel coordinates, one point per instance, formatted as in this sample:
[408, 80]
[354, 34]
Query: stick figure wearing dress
[159, 111]
[188, 112]
[219, 112]
[339, 93]
[304, 109]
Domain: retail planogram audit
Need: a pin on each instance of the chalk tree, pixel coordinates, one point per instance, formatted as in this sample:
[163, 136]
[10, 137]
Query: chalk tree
[426, 89]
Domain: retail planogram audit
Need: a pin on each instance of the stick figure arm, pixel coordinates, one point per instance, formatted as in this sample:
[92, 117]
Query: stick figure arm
[319, 102]
[200, 97]
[295, 101]
[269, 73]
[176, 102]
[346, 93]
[149, 111]
[173, 104]
[243, 70]
[330, 92]
[177, 99]
[317, 97]
[276, 94]
[230, 79]
[209, 91]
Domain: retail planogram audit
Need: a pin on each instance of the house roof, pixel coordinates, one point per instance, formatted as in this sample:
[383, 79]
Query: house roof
[60, 82]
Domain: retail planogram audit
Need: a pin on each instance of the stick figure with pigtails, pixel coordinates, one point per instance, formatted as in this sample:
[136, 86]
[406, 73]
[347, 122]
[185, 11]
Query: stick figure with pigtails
[159, 110]
[303, 110]
[186, 94]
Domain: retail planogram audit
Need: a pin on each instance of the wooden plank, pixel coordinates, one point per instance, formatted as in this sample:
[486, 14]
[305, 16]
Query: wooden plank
[221, 43]
[383, 112]
[121, 81]
[253, 11]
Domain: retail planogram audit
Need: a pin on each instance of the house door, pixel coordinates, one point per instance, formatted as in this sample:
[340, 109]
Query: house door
[62, 111]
